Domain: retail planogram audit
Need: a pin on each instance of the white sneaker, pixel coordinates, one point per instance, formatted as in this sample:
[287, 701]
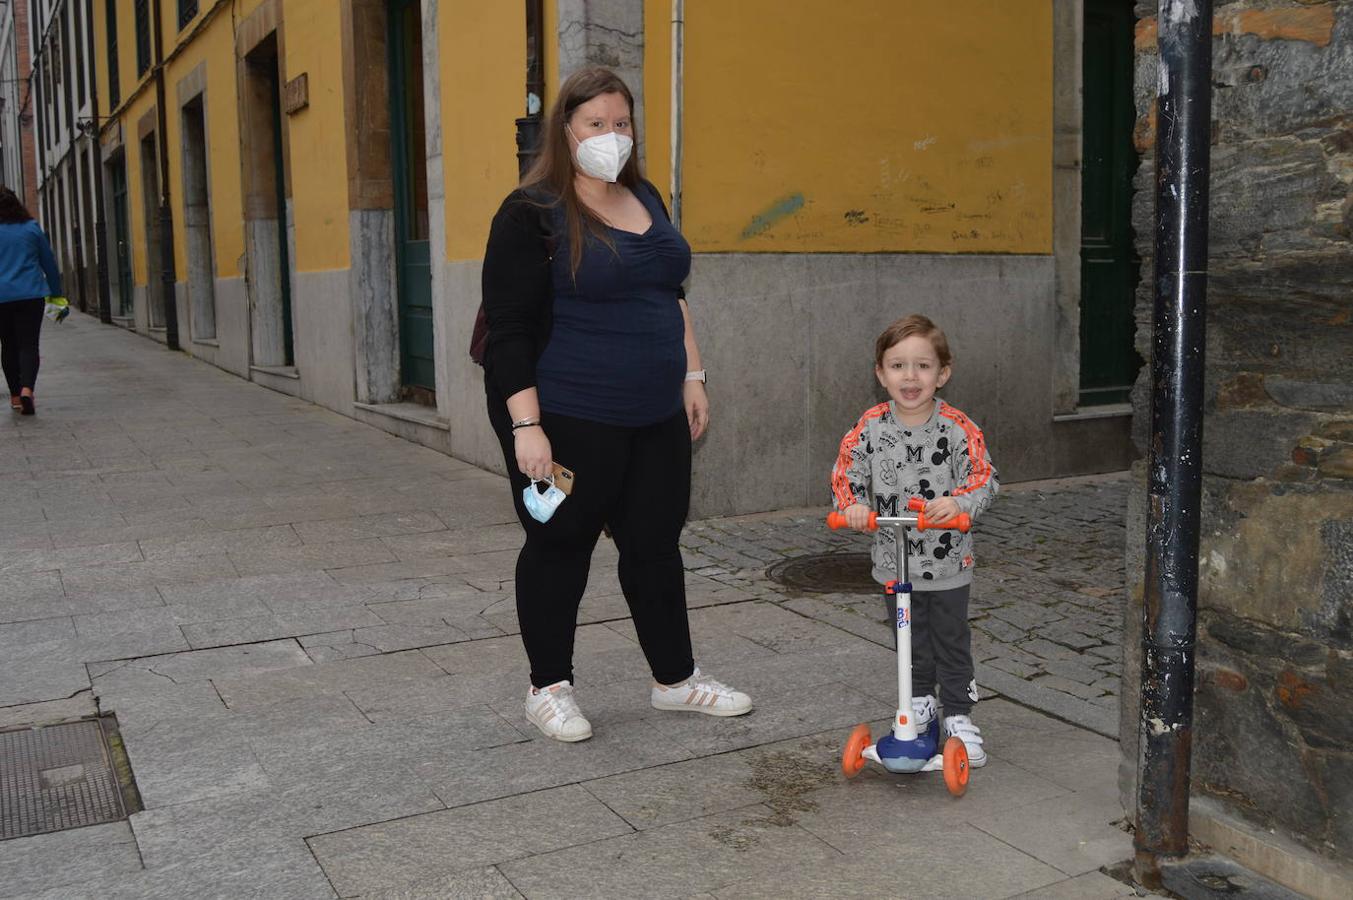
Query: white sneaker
[701, 694]
[554, 711]
[923, 710]
[962, 728]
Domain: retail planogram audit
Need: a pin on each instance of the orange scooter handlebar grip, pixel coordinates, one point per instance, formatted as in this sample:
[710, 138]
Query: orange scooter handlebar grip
[837, 520]
[961, 522]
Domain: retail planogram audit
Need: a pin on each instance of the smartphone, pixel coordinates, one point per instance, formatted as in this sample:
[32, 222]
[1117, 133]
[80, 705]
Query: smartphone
[563, 478]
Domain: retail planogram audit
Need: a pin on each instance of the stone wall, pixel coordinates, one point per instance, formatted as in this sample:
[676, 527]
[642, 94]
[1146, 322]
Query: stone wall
[604, 33]
[1273, 725]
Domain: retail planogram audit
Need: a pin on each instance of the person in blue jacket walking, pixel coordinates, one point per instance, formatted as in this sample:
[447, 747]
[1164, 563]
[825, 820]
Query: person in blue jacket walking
[28, 275]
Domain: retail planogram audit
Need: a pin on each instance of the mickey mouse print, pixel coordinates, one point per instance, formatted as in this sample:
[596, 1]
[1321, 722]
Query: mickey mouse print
[882, 463]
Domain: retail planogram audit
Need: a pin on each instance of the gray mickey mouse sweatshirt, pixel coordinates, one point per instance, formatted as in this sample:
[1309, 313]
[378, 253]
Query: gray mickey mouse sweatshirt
[883, 463]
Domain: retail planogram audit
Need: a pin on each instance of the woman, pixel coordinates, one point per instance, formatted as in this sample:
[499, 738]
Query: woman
[28, 275]
[591, 362]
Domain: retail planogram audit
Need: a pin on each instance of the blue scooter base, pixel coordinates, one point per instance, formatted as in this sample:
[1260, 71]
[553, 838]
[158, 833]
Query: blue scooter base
[909, 756]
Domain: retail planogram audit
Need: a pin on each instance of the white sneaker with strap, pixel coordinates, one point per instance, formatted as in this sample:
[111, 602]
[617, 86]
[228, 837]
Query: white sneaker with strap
[701, 694]
[962, 728]
[555, 712]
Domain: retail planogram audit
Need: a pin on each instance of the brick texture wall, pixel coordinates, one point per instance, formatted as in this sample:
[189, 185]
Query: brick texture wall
[28, 131]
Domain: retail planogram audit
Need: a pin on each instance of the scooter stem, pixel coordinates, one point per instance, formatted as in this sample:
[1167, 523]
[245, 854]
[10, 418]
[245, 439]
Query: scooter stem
[904, 722]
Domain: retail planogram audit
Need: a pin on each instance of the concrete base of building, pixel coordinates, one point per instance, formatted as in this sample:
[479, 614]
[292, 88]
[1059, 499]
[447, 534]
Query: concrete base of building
[1267, 853]
[410, 421]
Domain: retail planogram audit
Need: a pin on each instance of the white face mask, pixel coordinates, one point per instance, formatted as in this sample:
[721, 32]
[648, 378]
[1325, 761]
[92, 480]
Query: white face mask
[605, 155]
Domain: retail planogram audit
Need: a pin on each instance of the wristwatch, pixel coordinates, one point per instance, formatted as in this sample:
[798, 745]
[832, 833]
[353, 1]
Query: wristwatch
[697, 375]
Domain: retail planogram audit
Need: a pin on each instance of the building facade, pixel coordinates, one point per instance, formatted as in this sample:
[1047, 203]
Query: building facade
[64, 110]
[1272, 737]
[18, 156]
[299, 192]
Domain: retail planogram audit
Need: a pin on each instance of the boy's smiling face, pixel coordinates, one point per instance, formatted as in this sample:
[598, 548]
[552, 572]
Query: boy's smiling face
[911, 373]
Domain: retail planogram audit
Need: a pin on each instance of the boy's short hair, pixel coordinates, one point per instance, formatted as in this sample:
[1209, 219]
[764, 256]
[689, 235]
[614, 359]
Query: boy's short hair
[906, 327]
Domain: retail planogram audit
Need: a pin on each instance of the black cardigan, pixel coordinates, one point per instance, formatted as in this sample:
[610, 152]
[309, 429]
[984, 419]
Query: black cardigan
[517, 289]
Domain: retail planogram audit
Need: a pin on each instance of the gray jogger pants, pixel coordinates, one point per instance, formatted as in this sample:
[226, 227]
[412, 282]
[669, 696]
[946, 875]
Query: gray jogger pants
[941, 647]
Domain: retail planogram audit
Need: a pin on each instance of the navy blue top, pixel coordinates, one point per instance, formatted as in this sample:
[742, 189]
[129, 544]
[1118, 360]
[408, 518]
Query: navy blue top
[27, 267]
[617, 352]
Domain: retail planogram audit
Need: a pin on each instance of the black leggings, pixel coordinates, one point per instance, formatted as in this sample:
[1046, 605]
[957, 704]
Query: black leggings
[20, 325]
[637, 481]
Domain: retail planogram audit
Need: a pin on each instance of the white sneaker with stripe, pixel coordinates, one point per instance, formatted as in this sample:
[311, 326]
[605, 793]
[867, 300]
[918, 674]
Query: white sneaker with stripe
[555, 712]
[701, 694]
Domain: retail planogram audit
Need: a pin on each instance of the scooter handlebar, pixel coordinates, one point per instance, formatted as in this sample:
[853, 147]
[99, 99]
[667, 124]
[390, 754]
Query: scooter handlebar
[961, 522]
[837, 520]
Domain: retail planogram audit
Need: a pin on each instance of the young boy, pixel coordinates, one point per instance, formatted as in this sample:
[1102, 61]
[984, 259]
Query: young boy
[917, 446]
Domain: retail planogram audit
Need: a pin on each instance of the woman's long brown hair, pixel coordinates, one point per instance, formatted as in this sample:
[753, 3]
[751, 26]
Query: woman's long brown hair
[553, 170]
[12, 210]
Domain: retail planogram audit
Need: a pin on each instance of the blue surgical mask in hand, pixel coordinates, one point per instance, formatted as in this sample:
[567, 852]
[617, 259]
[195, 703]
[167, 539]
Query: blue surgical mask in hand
[542, 505]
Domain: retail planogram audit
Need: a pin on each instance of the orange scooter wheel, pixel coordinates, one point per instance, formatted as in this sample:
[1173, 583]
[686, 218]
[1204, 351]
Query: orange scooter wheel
[955, 766]
[852, 757]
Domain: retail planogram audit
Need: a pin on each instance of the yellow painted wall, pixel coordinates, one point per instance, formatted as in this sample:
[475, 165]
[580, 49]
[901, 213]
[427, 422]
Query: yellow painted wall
[132, 106]
[214, 44]
[318, 150]
[861, 125]
[483, 89]
[135, 188]
[215, 47]
[549, 10]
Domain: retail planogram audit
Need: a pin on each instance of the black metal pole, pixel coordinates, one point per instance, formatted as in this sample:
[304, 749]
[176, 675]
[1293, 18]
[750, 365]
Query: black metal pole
[168, 276]
[1183, 133]
[528, 126]
[96, 136]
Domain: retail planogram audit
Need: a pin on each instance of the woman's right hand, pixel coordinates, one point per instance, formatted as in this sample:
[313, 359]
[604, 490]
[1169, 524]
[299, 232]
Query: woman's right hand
[534, 459]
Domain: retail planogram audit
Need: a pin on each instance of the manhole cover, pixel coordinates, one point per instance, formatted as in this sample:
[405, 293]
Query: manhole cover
[826, 573]
[56, 777]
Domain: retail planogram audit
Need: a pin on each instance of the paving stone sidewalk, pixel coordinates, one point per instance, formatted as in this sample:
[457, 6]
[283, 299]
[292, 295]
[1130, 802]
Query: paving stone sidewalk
[306, 630]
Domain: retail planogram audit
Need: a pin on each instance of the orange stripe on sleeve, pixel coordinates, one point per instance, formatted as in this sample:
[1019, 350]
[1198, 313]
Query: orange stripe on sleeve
[977, 450]
[845, 497]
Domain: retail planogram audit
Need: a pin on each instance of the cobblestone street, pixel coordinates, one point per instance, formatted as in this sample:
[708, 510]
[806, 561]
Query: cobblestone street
[306, 630]
[1047, 601]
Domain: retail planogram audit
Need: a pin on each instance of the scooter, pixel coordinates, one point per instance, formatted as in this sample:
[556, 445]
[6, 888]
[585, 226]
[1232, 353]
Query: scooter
[906, 749]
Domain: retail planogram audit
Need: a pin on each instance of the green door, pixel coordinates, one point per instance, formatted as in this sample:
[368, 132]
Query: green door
[1109, 262]
[123, 249]
[409, 163]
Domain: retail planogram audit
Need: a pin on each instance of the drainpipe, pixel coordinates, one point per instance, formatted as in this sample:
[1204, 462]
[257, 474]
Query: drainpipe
[1174, 492]
[171, 309]
[678, 102]
[96, 136]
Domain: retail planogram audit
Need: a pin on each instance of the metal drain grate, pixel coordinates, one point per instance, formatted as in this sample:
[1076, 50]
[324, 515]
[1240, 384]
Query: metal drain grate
[826, 573]
[56, 777]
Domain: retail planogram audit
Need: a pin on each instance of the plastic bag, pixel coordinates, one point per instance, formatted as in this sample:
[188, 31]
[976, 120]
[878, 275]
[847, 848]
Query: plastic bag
[57, 309]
